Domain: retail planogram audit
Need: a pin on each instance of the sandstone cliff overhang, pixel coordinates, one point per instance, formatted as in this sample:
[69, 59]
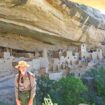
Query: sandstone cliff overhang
[51, 22]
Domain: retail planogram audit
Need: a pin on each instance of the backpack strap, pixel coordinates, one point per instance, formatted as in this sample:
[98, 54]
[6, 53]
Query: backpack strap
[29, 77]
[18, 79]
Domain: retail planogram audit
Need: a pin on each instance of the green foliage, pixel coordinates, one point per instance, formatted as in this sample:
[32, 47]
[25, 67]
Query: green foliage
[71, 90]
[93, 104]
[44, 85]
[48, 101]
[97, 95]
[100, 82]
[99, 77]
[65, 91]
[68, 91]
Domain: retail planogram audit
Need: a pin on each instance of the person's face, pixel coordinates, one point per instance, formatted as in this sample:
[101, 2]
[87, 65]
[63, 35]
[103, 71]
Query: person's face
[22, 69]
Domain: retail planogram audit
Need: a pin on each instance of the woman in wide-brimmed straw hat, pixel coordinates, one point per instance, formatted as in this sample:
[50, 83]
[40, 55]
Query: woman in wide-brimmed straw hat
[25, 85]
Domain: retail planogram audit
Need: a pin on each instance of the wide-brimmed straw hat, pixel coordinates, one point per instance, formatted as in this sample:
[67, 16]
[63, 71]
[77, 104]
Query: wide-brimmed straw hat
[22, 63]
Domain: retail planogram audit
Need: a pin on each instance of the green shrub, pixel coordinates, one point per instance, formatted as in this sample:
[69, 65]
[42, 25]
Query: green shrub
[48, 101]
[100, 82]
[44, 85]
[97, 95]
[67, 91]
[99, 78]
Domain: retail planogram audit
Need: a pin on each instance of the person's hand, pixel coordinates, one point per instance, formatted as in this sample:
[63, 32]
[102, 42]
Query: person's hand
[18, 102]
[30, 102]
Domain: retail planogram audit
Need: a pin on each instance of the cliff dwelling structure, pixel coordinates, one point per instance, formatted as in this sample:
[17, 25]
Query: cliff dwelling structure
[54, 34]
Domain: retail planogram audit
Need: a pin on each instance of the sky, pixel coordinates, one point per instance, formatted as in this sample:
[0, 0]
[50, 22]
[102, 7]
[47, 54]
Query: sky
[98, 4]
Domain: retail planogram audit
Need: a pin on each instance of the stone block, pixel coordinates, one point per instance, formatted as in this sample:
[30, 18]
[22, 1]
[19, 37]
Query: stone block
[36, 63]
[6, 55]
[55, 76]
[56, 64]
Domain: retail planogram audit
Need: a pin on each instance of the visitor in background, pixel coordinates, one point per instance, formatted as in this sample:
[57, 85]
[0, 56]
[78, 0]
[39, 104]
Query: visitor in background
[25, 85]
[42, 72]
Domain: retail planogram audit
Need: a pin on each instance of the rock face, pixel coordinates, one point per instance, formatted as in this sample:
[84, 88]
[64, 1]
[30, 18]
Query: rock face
[52, 22]
[7, 82]
[26, 24]
[7, 91]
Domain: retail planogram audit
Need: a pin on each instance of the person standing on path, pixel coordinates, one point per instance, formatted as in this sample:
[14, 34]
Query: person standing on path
[25, 85]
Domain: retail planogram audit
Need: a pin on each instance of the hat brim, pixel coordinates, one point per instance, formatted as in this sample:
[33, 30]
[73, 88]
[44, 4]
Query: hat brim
[17, 66]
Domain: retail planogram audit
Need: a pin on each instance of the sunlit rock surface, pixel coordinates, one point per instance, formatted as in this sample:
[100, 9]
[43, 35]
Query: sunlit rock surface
[52, 21]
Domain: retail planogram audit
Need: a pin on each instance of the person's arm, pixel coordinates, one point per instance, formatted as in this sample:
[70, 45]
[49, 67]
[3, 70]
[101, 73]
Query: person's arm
[33, 90]
[18, 102]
